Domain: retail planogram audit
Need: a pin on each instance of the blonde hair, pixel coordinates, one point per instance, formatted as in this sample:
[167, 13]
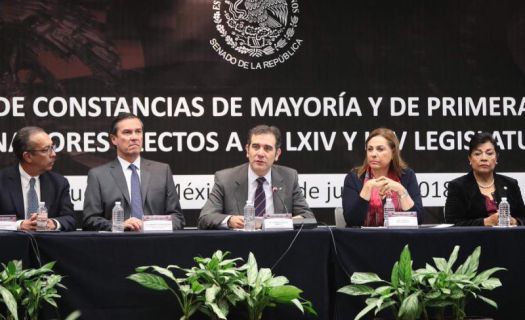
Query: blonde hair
[397, 164]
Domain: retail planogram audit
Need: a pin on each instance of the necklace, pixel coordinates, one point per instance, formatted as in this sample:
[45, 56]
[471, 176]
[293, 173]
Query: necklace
[486, 186]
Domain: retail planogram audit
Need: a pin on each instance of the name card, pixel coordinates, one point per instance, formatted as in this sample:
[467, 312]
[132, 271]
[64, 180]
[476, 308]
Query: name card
[278, 221]
[403, 220]
[157, 223]
[8, 222]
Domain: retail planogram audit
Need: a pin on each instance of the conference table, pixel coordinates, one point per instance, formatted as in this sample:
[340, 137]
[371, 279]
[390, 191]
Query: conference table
[95, 265]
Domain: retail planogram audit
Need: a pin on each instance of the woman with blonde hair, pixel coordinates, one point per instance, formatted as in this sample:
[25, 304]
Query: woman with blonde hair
[383, 173]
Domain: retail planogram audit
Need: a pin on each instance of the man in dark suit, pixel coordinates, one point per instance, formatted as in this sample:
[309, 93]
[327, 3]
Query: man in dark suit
[272, 188]
[143, 187]
[31, 181]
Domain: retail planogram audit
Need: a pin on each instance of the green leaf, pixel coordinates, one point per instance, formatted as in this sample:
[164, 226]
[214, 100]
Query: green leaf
[252, 271]
[217, 310]
[150, 281]
[284, 294]
[211, 293]
[165, 272]
[364, 277]
[441, 264]
[9, 301]
[473, 261]
[363, 312]
[488, 301]
[452, 259]
[405, 266]
[410, 307]
[74, 315]
[356, 290]
[264, 275]
[277, 281]
[491, 283]
[298, 304]
[486, 274]
[384, 306]
[309, 308]
[395, 275]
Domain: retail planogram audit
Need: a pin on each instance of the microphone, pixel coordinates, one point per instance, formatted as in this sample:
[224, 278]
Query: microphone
[275, 190]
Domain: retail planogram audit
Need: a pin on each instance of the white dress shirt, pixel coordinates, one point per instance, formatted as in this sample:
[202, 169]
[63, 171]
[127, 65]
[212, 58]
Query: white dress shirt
[127, 171]
[24, 180]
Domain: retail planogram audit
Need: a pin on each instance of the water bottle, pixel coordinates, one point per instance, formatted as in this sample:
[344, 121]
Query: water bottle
[117, 218]
[504, 213]
[249, 216]
[388, 210]
[41, 217]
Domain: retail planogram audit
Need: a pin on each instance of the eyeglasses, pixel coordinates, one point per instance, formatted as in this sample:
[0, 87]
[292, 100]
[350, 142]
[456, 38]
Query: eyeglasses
[49, 150]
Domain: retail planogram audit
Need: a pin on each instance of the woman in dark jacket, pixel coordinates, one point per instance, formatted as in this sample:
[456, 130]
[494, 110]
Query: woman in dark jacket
[383, 173]
[473, 198]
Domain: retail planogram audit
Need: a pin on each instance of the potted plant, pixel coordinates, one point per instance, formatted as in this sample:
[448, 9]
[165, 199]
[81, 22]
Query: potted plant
[264, 290]
[424, 293]
[24, 291]
[215, 284]
[446, 288]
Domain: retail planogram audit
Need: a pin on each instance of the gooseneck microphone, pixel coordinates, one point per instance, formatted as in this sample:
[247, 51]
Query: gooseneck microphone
[275, 190]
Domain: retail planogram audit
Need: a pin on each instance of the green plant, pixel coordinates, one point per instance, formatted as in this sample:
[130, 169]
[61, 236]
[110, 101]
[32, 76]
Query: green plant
[27, 289]
[216, 283]
[401, 294]
[414, 294]
[185, 294]
[447, 288]
[221, 280]
[264, 290]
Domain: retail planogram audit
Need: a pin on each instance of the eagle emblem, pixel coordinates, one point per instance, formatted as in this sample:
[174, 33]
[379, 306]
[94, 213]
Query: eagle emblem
[256, 27]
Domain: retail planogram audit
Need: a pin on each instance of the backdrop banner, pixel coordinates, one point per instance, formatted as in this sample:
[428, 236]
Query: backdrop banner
[200, 73]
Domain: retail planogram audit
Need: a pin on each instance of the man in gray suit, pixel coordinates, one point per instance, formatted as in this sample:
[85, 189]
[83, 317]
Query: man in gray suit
[272, 188]
[143, 187]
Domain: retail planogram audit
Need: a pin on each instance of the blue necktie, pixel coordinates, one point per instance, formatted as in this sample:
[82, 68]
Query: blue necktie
[136, 197]
[260, 198]
[32, 199]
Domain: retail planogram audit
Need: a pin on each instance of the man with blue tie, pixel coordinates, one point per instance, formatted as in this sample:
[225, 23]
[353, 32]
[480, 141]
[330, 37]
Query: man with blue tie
[143, 187]
[271, 188]
[31, 181]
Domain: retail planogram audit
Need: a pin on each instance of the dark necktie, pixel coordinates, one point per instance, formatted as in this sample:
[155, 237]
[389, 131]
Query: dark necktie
[32, 199]
[136, 197]
[260, 198]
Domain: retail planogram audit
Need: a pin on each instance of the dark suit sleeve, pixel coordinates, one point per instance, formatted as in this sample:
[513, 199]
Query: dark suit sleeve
[212, 214]
[299, 204]
[172, 202]
[93, 206]
[409, 181]
[517, 207]
[456, 206]
[66, 215]
[355, 208]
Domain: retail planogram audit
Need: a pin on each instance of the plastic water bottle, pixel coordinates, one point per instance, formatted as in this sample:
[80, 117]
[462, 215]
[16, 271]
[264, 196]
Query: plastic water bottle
[41, 217]
[249, 216]
[388, 210]
[504, 213]
[117, 218]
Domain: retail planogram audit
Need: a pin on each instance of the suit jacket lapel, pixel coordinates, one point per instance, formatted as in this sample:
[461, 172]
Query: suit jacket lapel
[15, 189]
[241, 191]
[500, 189]
[278, 183]
[145, 175]
[120, 180]
[477, 201]
[47, 192]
